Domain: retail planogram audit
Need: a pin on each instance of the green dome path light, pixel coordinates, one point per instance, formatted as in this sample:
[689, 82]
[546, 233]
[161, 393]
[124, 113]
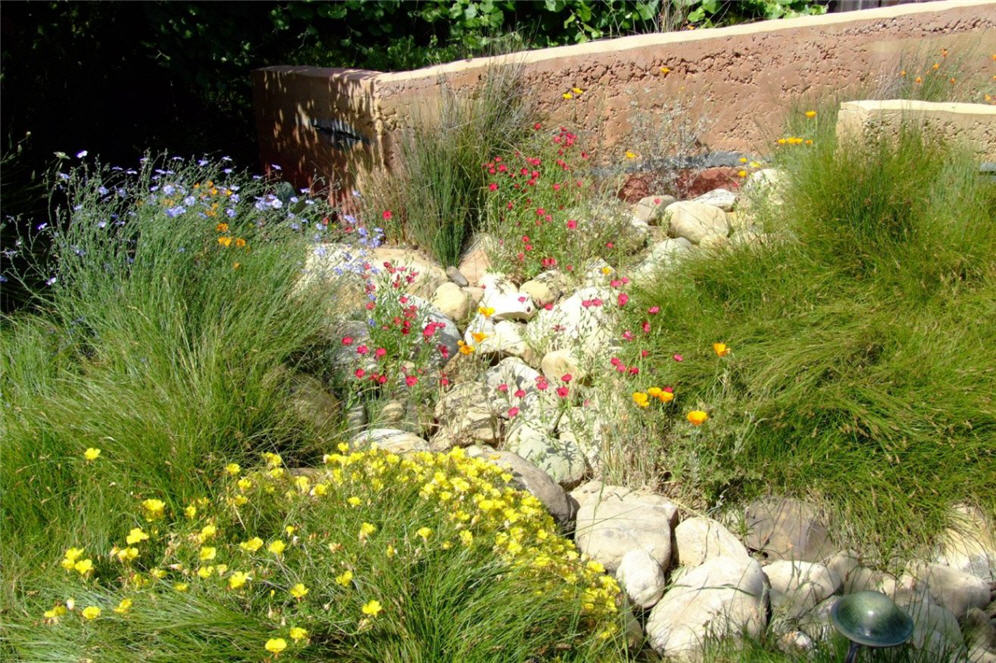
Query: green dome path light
[870, 619]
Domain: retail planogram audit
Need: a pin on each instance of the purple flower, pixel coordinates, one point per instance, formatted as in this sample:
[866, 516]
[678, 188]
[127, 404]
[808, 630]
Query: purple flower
[174, 212]
[81, 154]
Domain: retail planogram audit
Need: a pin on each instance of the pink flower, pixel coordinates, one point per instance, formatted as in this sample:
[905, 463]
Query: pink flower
[347, 340]
[646, 327]
[628, 335]
[411, 380]
[360, 373]
[503, 388]
[541, 383]
[380, 352]
[633, 370]
[381, 379]
[387, 214]
[548, 307]
[362, 349]
[610, 245]
[654, 310]
[519, 393]
[563, 391]
[644, 353]
[493, 186]
[512, 411]
[443, 380]
[678, 357]
[572, 224]
[566, 377]
[623, 298]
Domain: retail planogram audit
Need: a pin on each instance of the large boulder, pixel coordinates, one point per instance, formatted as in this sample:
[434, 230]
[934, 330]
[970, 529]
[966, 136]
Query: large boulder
[723, 597]
[615, 520]
[642, 578]
[695, 221]
[700, 539]
[797, 587]
[785, 528]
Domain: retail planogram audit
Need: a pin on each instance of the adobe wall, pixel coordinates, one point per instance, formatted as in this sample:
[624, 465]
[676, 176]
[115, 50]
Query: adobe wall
[741, 79]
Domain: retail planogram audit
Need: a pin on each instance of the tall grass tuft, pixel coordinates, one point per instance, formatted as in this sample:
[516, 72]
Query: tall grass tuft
[155, 342]
[436, 194]
[861, 373]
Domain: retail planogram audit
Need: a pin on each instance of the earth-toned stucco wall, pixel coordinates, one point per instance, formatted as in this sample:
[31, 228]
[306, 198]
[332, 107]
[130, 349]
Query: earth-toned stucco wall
[741, 80]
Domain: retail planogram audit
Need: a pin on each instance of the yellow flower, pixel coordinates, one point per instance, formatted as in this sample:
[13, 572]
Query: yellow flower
[486, 311]
[366, 529]
[630, 154]
[640, 398]
[464, 348]
[181, 586]
[810, 114]
[697, 417]
[424, 532]
[232, 469]
[240, 243]
[665, 71]
[577, 90]
[208, 553]
[721, 349]
[298, 633]
[238, 579]
[55, 613]
[354, 501]
[244, 484]
[273, 460]
[466, 537]
[390, 551]
[91, 612]
[190, 512]
[84, 567]
[660, 394]
[754, 164]
[277, 547]
[252, 545]
[205, 572]
[299, 591]
[275, 645]
[126, 554]
[154, 509]
[344, 578]
[207, 532]
[741, 173]
[91, 453]
[567, 95]
[73, 554]
[478, 336]
[222, 227]
[742, 159]
[225, 241]
[372, 608]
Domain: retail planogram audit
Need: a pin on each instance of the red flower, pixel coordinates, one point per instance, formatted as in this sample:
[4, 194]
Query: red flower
[411, 380]
[623, 298]
[512, 411]
[360, 373]
[493, 186]
[387, 214]
[654, 310]
[563, 391]
[566, 377]
[347, 340]
[519, 393]
[380, 352]
[678, 357]
[503, 388]
[362, 350]
[572, 224]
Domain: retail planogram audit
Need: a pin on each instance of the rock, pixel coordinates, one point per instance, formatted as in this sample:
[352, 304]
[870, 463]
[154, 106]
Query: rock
[969, 545]
[582, 323]
[450, 300]
[456, 277]
[475, 261]
[527, 476]
[467, 416]
[842, 564]
[700, 539]
[560, 459]
[785, 528]
[428, 275]
[796, 587]
[587, 429]
[764, 187]
[722, 597]
[724, 199]
[545, 288]
[795, 643]
[447, 331]
[642, 578]
[393, 412]
[558, 363]
[515, 306]
[714, 242]
[980, 636]
[958, 592]
[616, 520]
[662, 256]
[695, 221]
[935, 628]
[816, 622]
[314, 405]
[390, 439]
[356, 417]
[862, 579]
[650, 209]
[496, 283]
[694, 182]
[476, 295]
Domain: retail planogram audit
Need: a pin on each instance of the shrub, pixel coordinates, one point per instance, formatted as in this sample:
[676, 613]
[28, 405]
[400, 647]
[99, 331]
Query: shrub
[374, 558]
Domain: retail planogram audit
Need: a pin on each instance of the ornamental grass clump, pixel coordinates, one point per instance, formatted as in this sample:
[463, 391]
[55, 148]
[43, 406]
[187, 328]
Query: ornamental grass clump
[859, 371]
[173, 296]
[374, 557]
